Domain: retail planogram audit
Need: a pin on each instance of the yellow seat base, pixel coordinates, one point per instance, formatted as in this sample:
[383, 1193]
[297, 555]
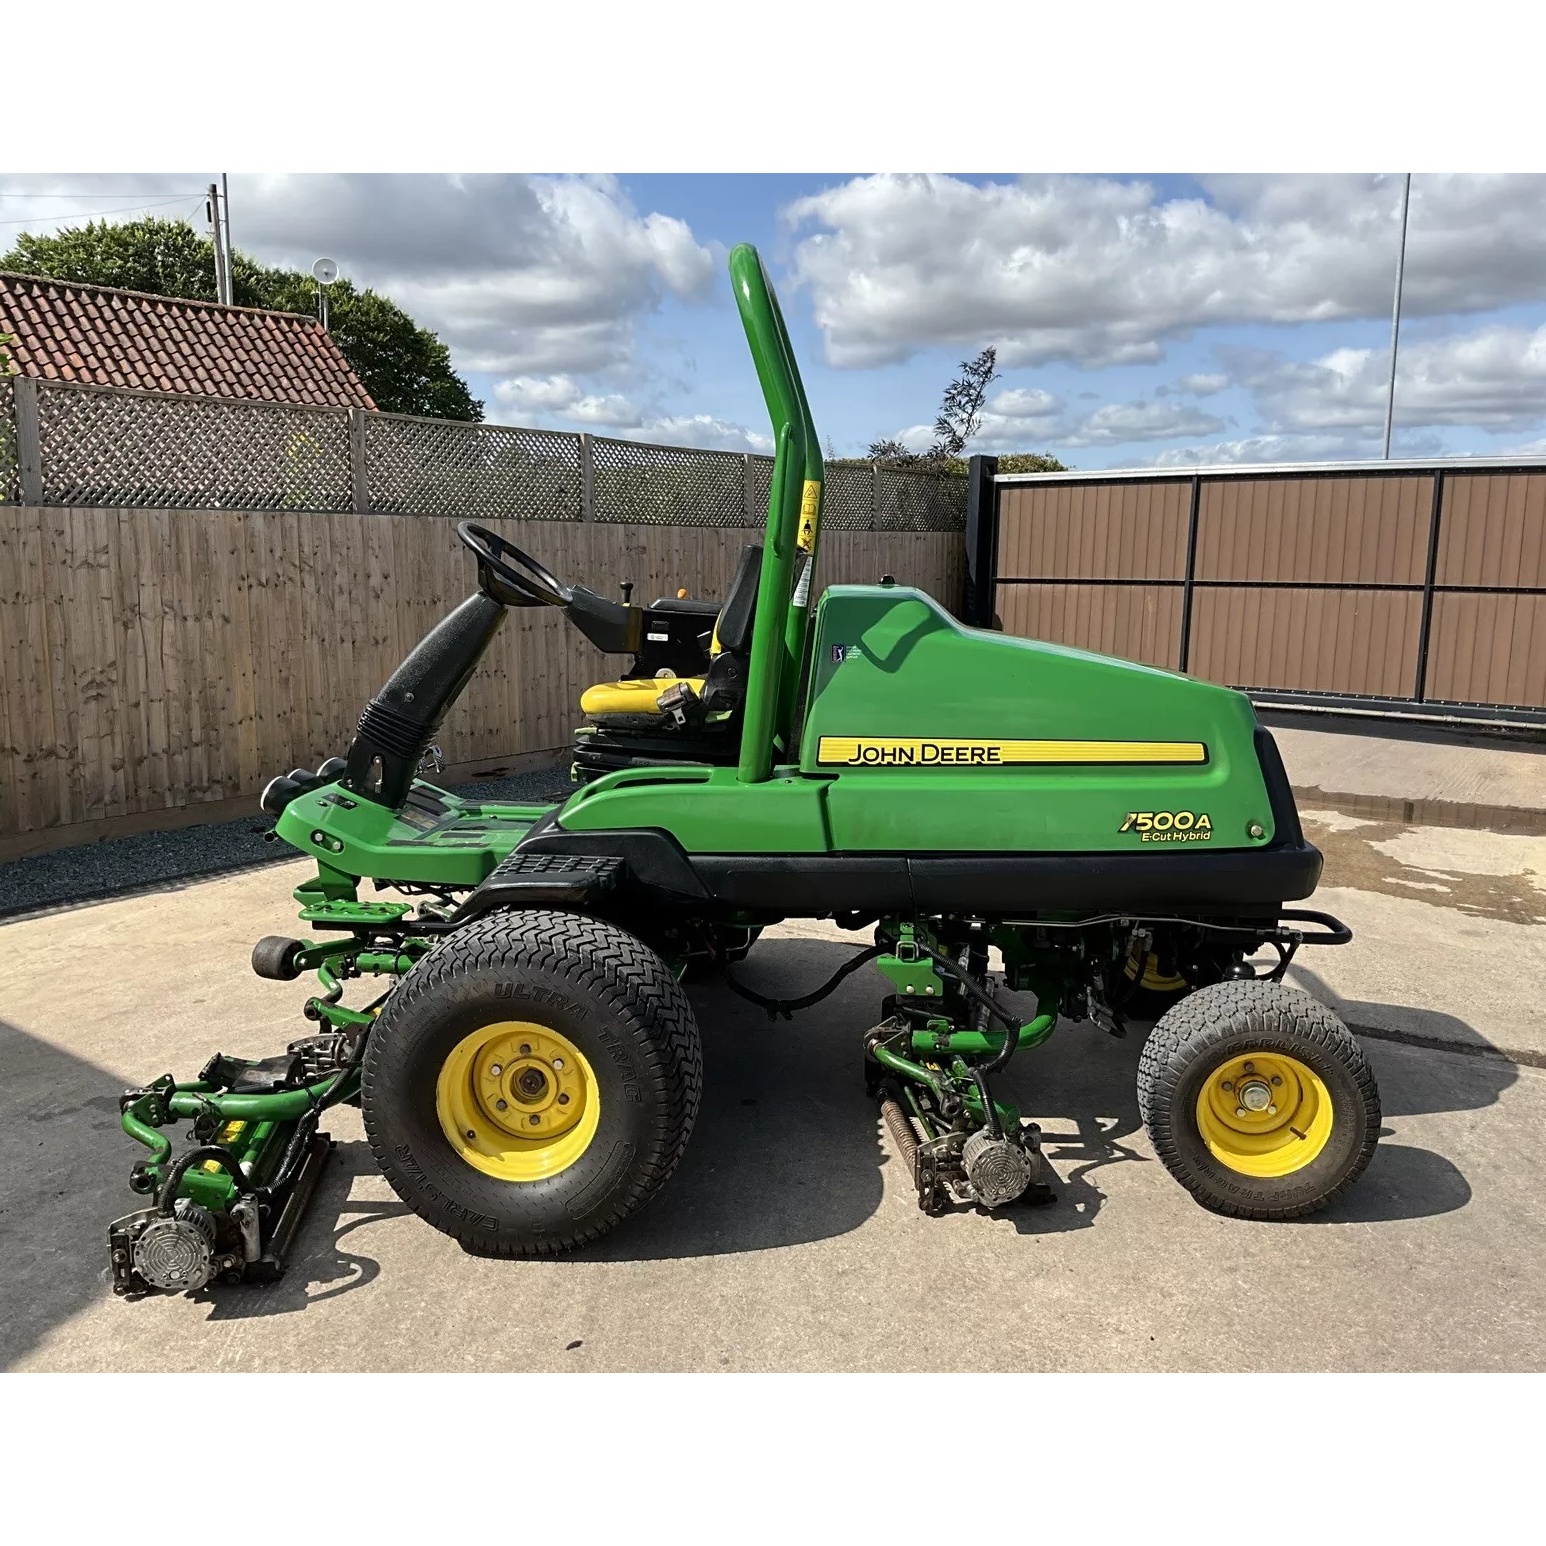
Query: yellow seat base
[637, 695]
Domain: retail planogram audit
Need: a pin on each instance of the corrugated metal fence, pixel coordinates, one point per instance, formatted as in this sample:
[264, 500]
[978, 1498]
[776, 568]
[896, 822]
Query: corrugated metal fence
[1394, 586]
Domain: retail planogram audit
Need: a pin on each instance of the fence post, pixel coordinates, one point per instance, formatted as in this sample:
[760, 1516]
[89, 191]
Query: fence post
[981, 541]
[1425, 628]
[748, 490]
[29, 443]
[587, 479]
[1189, 583]
[359, 470]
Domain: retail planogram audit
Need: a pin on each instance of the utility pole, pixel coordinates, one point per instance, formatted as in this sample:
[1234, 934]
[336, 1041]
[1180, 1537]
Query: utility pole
[230, 251]
[222, 272]
[1395, 316]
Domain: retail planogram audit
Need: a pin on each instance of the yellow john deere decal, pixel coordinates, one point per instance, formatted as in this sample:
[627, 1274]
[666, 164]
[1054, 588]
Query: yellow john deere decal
[1169, 826]
[810, 510]
[906, 752]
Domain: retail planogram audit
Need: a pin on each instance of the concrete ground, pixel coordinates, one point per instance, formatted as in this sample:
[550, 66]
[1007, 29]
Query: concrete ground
[789, 1239]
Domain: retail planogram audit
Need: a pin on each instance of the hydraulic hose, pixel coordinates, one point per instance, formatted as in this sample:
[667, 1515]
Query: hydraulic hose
[222, 1157]
[787, 1006]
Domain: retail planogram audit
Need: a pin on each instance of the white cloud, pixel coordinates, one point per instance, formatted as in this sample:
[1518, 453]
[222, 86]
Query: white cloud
[561, 398]
[1025, 403]
[1118, 423]
[1254, 450]
[1493, 378]
[517, 274]
[538, 396]
[701, 431]
[1101, 271]
[1203, 385]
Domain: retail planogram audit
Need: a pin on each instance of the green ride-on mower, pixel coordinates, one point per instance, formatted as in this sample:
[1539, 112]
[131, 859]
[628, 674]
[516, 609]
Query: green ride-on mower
[1107, 835]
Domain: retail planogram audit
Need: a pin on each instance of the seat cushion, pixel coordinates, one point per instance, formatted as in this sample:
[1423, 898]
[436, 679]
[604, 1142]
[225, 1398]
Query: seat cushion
[636, 695]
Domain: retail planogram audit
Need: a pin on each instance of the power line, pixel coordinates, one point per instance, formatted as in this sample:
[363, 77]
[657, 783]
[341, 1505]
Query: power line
[123, 209]
[73, 193]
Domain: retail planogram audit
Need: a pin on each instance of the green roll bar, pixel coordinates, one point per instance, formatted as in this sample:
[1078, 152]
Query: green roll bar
[794, 524]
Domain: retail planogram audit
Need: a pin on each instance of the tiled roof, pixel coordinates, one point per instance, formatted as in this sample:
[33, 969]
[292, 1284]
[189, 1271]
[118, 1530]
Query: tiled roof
[157, 343]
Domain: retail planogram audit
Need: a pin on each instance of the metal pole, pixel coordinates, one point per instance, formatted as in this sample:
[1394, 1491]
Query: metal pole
[222, 279]
[230, 251]
[1395, 316]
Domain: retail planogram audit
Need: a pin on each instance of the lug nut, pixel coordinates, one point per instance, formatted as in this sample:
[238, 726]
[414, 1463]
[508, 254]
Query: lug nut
[1250, 1068]
[535, 1121]
[502, 1105]
[1228, 1084]
[1277, 1078]
[470, 1133]
[558, 1063]
[1239, 1111]
[496, 1070]
[525, 1049]
[1272, 1111]
[563, 1100]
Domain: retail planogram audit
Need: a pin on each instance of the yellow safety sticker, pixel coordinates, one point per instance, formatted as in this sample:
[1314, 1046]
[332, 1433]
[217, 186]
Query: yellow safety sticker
[906, 752]
[224, 1137]
[810, 510]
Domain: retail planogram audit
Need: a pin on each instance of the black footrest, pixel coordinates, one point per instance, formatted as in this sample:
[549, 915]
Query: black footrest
[536, 880]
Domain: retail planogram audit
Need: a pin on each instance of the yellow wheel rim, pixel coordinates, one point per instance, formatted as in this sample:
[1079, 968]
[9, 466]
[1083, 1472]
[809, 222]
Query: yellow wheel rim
[517, 1101]
[1264, 1114]
[1153, 978]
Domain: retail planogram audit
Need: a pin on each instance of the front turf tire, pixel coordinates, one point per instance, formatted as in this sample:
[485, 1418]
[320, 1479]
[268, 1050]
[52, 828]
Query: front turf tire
[583, 985]
[1248, 1041]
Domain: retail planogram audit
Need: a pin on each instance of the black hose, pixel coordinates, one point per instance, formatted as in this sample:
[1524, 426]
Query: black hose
[787, 1006]
[222, 1157]
[982, 996]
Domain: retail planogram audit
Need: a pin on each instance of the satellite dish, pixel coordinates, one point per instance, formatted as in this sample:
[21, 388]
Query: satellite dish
[324, 271]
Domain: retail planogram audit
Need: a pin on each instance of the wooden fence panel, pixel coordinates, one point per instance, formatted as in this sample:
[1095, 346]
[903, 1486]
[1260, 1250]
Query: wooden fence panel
[155, 660]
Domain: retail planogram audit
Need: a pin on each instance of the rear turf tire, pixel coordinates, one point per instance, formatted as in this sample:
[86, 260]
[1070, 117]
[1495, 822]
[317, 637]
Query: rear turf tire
[1330, 1120]
[585, 986]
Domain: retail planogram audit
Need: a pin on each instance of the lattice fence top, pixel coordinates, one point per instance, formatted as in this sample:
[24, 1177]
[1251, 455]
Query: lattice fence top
[667, 486]
[848, 503]
[10, 471]
[439, 467]
[104, 447]
[906, 500]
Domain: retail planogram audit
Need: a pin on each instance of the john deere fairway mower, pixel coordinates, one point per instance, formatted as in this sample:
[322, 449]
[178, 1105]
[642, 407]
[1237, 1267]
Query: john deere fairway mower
[530, 1076]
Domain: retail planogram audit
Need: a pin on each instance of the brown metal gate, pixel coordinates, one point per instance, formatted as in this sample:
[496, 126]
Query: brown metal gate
[1396, 586]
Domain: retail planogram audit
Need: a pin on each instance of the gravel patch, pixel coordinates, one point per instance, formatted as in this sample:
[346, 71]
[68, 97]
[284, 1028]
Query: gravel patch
[118, 865]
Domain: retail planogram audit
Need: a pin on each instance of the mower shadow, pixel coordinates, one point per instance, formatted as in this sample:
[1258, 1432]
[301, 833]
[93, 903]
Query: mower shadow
[64, 1159]
[789, 1149]
[320, 1268]
[784, 1150]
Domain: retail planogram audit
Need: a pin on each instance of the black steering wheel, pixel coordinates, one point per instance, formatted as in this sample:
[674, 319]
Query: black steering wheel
[511, 577]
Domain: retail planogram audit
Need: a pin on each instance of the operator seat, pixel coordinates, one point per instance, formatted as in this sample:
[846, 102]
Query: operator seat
[683, 696]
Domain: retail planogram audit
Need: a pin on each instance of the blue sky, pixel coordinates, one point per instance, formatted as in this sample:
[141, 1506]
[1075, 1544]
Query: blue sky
[1138, 318]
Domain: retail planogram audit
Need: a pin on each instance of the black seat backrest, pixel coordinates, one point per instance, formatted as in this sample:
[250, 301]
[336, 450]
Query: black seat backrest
[740, 609]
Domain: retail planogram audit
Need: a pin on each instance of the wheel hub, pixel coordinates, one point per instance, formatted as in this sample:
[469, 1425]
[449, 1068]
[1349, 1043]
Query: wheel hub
[1264, 1114]
[517, 1100]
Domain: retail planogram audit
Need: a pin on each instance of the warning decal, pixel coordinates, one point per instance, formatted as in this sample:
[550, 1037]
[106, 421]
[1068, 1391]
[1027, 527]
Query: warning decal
[810, 509]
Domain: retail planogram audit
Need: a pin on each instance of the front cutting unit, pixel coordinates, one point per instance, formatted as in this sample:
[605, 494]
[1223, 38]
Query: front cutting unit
[1017, 834]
